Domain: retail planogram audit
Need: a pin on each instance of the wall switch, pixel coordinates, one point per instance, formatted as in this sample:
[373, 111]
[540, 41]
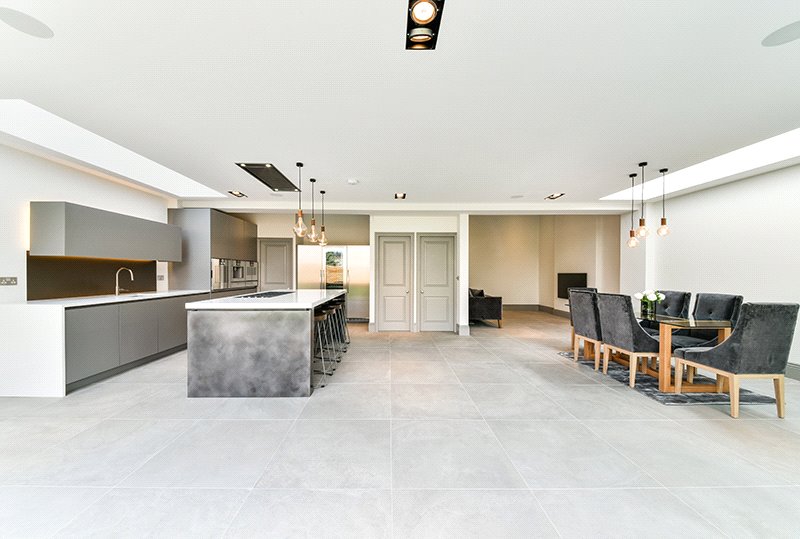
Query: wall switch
[160, 278]
[8, 281]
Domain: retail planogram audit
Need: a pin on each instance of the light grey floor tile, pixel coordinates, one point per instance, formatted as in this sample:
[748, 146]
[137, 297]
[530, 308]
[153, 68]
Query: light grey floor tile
[349, 401]
[523, 355]
[468, 355]
[259, 408]
[23, 406]
[171, 369]
[367, 354]
[218, 454]
[761, 442]
[41, 511]
[361, 372]
[566, 454]
[622, 513]
[416, 354]
[332, 454]
[102, 455]
[449, 454]
[314, 513]
[21, 438]
[469, 513]
[170, 401]
[554, 375]
[514, 401]
[677, 457]
[99, 401]
[747, 512]
[601, 402]
[422, 372]
[163, 513]
[432, 401]
[485, 373]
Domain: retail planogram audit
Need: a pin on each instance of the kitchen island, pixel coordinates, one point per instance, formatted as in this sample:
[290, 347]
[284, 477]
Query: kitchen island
[256, 345]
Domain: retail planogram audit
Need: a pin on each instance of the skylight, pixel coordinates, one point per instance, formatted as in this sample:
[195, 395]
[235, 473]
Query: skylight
[768, 154]
[29, 128]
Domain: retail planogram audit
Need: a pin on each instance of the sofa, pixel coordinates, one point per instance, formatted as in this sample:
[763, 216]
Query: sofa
[484, 307]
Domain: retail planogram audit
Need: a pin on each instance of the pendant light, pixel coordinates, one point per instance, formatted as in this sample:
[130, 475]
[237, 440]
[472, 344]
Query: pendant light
[643, 230]
[312, 233]
[299, 227]
[632, 241]
[323, 239]
[663, 230]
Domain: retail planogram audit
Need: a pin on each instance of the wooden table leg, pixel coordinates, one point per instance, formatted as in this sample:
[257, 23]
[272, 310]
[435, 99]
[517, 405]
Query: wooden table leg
[588, 349]
[665, 358]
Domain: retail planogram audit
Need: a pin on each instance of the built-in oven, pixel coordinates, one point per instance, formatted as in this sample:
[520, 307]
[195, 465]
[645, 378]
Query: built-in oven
[244, 274]
[220, 276]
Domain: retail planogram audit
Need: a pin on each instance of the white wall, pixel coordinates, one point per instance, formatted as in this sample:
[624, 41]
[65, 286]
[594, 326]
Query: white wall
[737, 238]
[25, 177]
[504, 257]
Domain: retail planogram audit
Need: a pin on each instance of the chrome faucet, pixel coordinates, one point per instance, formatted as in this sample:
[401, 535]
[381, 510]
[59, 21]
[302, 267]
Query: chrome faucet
[118, 289]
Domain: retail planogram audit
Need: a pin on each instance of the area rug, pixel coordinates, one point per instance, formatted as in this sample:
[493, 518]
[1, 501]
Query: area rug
[648, 385]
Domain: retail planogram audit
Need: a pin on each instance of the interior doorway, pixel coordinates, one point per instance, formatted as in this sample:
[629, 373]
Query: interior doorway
[276, 263]
[394, 282]
[436, 288]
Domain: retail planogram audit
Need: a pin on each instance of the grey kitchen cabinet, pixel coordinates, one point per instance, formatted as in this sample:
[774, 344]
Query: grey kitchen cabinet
[138, 330]
[66, 229]
[92, 340]
[172, 320]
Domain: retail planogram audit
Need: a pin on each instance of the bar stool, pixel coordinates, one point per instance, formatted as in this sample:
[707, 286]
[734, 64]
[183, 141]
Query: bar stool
[338, 327]
[331, 330]
[320, 321]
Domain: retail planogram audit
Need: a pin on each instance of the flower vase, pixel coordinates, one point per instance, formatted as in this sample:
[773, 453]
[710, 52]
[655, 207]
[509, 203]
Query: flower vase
[648, 309]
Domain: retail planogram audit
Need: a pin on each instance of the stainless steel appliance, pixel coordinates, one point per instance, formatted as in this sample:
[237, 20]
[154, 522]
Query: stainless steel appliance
[335, 268]
[231, 274]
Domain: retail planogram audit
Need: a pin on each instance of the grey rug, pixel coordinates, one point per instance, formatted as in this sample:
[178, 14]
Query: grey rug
[648, 385]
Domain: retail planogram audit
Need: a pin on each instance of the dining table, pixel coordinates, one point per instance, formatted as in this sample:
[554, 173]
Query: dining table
[663, 369]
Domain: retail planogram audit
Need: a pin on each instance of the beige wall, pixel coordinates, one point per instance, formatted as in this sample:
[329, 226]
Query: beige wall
[504, 257]
[340, 229]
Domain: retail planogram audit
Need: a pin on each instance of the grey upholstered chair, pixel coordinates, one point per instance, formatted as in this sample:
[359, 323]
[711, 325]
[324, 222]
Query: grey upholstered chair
[757, 348]
[622, 333]
[675, 304]
[586, 323]
[571, 322]
[707, 307]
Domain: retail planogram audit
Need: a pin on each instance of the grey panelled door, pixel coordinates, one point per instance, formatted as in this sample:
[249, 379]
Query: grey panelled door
[394, 283]
[436, 283]
[275, 259]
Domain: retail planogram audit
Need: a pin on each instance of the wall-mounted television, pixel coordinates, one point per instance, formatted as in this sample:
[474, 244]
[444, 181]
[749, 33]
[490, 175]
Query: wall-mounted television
[569, 280]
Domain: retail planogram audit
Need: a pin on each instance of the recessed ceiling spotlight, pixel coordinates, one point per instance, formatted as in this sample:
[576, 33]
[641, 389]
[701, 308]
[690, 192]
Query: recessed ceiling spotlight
[420, 35]
[353, 181]
[238, 194]
[554, 196]
[424, 11]
[399, 196]
[517, 196]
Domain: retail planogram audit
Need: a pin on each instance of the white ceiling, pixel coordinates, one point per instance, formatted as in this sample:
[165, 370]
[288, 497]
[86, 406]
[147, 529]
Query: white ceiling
[519, 98]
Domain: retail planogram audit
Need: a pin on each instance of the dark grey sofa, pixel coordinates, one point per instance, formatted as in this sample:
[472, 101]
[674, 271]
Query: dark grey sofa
[483, 307]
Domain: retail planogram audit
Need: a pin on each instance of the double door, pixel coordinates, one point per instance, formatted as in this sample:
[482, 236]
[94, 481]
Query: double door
[417, 288]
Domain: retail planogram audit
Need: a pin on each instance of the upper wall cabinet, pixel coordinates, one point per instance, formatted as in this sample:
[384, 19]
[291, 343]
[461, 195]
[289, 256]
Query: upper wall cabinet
[232, 237]
[66, 229]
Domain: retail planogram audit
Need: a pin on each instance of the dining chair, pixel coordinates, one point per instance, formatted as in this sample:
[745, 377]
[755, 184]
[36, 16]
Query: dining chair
[622, 333]
[758, 348]
[586, 323]
[707, 307]
[571, 323]
[675, 304]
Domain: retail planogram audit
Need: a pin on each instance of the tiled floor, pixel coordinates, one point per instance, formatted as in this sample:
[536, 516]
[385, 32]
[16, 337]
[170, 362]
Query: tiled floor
[426, 435]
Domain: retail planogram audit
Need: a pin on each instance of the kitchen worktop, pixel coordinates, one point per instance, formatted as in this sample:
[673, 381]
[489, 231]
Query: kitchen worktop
[287, 300]
[111, 298]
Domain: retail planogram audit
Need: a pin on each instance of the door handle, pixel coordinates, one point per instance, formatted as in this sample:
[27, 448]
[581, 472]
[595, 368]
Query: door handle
[421, 291]
[406, 291]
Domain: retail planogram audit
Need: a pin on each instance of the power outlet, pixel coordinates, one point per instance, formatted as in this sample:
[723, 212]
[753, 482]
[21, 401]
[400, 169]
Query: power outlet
[8, 281]
[160, 278]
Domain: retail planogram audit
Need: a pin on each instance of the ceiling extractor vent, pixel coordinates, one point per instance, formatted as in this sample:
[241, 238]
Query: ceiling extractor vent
[269, 175]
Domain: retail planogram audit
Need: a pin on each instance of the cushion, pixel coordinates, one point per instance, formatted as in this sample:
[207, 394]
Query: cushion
[690, 353]
[476, 293]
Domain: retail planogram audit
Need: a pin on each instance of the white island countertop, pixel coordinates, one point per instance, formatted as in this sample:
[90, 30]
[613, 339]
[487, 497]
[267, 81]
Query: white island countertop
[281, 300]
[111, 298]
